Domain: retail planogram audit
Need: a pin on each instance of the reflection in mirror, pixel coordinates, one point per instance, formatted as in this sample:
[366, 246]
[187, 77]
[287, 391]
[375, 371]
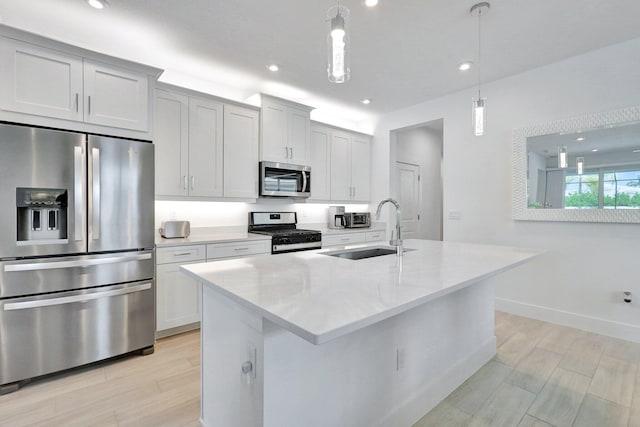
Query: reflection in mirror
[581, 169]
[585, 169]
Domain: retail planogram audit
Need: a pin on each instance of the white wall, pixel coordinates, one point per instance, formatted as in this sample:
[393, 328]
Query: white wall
[580, 280]
[422, 146]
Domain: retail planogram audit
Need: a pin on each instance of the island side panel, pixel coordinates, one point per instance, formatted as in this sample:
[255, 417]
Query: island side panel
[229, 333]
[355, 380]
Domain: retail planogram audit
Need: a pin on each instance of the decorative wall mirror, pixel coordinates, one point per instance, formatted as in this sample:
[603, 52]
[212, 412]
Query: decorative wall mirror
[583, 169]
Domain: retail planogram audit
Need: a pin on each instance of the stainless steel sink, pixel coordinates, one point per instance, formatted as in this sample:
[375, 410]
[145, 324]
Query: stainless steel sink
[362, 253]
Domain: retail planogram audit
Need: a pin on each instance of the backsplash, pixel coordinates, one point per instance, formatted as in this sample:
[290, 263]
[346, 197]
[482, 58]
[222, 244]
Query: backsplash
[224, 214]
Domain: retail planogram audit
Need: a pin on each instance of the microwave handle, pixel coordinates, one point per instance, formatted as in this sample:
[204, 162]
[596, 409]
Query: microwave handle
[304, 182]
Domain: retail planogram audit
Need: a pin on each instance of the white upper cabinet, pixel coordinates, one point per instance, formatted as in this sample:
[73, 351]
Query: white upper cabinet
[285, 131]
[36, 80]
[205, 148]
[115, 96]
[172, 143]
[47, 83]
[240, 152]
[350, 166]
[320, 162]
[360, 168]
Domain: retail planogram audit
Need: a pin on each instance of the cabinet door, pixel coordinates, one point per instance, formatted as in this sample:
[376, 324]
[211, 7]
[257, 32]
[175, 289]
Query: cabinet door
[319, 160]
[178, 297]
[274, 133]
[340, 166]
[240, 152]
[298, 135]
[205, 148]
[171, 139]
[40, 81]
[360, 169]
[115, 96]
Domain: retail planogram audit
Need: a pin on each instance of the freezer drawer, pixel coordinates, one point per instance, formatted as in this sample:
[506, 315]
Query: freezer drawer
[42, 275]
[44, 334]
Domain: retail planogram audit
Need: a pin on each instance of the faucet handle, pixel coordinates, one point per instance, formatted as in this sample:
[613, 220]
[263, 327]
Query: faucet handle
[393, 242]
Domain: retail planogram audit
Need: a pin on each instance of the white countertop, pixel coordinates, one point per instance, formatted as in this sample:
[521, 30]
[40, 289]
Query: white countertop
[320, 297]
[211, 235]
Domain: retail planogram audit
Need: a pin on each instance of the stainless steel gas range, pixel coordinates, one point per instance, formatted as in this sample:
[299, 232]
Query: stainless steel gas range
[76, 250]
[285, 236]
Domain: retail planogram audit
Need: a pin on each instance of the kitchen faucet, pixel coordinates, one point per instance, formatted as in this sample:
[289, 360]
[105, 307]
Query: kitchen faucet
[397, 242]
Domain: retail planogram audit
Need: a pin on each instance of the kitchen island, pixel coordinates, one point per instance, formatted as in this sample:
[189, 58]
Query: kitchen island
[311, 339]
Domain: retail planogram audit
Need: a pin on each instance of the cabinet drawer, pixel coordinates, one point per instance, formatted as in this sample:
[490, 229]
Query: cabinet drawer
[343, 239]
[180, 254]
[374, 236]
[226, 250]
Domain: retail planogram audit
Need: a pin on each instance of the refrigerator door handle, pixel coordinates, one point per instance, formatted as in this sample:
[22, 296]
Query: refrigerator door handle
[95, 191]
[78, 193]
[76, 298]
[73, 264]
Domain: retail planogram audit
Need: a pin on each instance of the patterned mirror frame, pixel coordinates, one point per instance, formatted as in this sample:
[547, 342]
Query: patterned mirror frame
[520, 210]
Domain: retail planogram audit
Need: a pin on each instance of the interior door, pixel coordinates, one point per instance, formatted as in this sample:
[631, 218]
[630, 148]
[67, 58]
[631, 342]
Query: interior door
[409, 198]
[121, 198]
[33, 164]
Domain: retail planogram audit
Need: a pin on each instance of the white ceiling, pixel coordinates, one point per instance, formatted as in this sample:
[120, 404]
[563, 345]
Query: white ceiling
[402, 52]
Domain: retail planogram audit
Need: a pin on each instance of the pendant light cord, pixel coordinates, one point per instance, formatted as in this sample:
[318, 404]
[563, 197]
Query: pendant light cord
[479, 48]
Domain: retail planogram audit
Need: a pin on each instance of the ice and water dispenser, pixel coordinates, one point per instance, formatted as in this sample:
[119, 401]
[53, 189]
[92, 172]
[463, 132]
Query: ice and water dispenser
[42, 213]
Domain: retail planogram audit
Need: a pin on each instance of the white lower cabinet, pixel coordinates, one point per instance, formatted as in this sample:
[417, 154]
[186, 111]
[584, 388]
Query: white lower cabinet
[177, 295]
[352, 237]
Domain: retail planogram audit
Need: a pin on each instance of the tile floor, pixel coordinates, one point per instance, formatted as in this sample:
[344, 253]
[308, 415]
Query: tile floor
[547, 375]
[543, 375]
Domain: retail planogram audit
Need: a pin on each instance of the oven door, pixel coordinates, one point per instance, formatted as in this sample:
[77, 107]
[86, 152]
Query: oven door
[51, 332]
[284, 180]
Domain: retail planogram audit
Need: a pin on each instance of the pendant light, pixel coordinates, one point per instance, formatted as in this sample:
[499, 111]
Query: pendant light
[563, 162]
[580, 165]
[479, 114]
[338, 44]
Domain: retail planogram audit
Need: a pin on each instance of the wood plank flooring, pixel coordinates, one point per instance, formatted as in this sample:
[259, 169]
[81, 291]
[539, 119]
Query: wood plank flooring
[546, 375]
[543, 375]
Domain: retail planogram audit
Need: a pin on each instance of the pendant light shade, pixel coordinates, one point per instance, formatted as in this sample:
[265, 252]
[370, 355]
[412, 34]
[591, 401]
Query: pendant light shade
[338, 44]
[562, 157]
[479, 112]
[580, 165]
[478, 115]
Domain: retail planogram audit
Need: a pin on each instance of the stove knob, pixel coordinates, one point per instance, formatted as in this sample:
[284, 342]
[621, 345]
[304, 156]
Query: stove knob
[286, 240]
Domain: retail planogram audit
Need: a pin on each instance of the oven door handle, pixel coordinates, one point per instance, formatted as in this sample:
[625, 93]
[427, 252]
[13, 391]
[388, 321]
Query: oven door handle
[73, 264]
[76, 298]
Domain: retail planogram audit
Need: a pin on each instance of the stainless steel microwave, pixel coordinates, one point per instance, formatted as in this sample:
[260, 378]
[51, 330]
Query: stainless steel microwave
[357, 219]
[284, 180]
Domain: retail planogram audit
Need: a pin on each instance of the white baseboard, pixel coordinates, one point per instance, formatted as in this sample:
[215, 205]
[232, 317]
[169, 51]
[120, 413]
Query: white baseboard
[597, 325]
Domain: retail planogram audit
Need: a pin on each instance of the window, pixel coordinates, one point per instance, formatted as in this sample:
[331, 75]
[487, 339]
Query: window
[608, 188]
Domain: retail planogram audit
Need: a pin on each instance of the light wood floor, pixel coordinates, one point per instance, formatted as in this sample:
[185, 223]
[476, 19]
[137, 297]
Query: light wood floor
[543, 375]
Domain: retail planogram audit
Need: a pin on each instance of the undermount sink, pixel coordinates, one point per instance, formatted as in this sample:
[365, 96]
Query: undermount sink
[363, 253]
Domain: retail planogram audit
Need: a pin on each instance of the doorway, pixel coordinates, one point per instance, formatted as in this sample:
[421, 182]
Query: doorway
[418, 179]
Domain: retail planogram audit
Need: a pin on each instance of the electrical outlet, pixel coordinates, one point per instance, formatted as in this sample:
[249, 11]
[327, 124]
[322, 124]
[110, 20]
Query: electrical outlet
[455, 215]
[400, 355]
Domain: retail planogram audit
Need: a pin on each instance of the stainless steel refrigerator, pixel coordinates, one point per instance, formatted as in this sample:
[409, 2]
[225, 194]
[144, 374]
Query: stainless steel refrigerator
[76, 250]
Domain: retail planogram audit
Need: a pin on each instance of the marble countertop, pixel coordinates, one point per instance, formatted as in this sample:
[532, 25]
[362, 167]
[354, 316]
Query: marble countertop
[205, 235]
[320, 297]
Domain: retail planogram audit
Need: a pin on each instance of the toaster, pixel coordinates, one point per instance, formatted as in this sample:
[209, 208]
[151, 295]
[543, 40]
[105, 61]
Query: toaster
[175, 229]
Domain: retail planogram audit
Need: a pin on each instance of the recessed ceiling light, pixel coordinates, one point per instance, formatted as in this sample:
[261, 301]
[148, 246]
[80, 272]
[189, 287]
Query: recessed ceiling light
[98, 4]
[636, 151]
[371, 3]
[580, 138]
[594, 150]
[273, 67]
[366, 101]
[465, 66]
